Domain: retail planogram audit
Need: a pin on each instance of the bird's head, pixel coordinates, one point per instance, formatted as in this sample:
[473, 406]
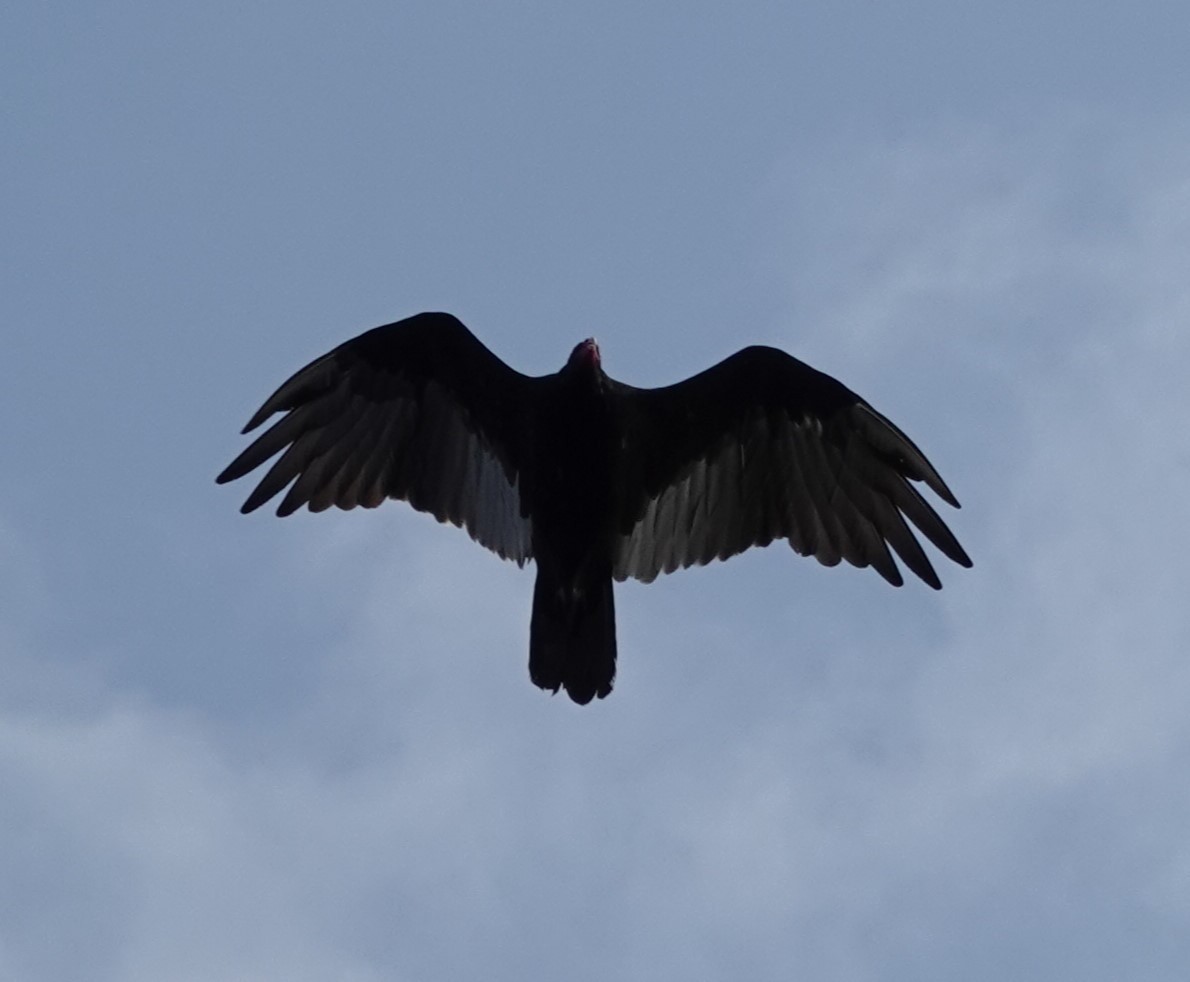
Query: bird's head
[585, 357]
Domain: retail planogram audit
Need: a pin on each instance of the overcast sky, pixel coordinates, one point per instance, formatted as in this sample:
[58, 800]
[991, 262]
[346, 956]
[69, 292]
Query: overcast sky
[245, 748]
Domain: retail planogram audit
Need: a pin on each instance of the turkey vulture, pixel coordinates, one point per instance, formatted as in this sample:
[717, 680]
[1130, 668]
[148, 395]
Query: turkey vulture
[594, 479]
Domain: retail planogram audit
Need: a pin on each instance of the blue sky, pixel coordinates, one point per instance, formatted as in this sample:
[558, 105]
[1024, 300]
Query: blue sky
[246, 748]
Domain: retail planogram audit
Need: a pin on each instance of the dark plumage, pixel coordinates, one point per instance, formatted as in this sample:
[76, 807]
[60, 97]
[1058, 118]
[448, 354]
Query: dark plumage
[594, 479]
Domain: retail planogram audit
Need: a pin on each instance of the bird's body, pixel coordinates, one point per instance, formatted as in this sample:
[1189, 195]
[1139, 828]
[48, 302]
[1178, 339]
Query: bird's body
[575, 432]
[593, 479]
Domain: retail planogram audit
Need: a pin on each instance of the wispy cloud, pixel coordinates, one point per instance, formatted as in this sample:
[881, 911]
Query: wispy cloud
[801, 770]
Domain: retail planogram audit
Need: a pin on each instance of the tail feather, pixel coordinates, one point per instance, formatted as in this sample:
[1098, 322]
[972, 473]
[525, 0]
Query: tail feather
[572, 639]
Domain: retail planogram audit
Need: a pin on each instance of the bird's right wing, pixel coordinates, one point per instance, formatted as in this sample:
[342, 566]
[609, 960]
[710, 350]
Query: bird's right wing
[761, 447]
[418, 410]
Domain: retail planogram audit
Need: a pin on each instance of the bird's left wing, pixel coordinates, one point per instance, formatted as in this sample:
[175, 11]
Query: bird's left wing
[418, 410]
[761, 447]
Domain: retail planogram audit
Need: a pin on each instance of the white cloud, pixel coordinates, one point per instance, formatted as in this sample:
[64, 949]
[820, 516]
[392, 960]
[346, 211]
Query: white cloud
[983, 783]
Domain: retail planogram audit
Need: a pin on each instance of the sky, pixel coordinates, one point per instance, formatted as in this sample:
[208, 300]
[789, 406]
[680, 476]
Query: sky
[240, 748]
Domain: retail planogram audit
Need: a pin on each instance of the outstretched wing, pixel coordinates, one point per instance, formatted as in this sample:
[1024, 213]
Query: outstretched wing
[418, 410]
[763, 447]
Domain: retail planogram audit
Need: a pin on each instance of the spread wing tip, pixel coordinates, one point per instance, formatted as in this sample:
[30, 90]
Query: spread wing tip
[235, 470]
[228, 474]
[938, 486]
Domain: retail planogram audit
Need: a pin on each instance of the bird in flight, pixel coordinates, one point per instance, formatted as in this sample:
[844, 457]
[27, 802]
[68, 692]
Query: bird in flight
[595, 480]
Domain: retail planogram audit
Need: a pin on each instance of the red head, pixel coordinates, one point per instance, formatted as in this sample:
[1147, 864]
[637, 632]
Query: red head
[584, 355]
